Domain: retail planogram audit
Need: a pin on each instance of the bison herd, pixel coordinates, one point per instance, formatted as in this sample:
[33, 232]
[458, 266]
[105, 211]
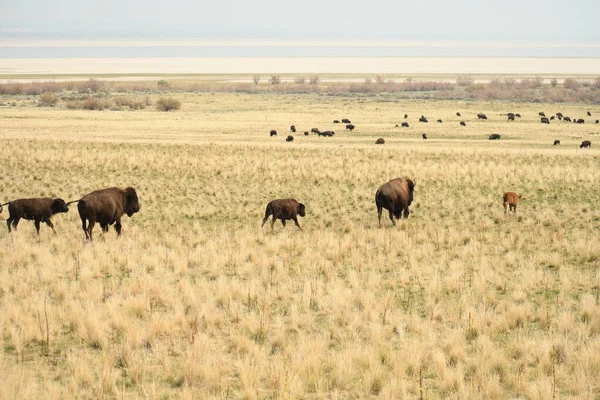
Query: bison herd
[105, 207]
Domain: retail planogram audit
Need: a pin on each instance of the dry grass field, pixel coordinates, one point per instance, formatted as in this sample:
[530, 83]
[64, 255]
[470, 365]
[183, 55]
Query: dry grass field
[195, 300]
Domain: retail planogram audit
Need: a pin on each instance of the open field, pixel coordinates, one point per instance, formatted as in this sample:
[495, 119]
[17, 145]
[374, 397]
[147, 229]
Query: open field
[195, 300]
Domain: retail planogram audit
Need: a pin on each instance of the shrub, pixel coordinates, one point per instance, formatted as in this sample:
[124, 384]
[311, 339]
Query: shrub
[168, 104]
[93, 103]
[132, 103]
[47, 99]
[554, 82]
[275, 80]
[162, 83]
[300, 80]
[313, 80]
[256, 79]
[571, 83]
[465, 81]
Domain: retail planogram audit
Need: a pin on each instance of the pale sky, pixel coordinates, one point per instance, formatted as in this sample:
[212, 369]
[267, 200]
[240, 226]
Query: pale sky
[573, 20]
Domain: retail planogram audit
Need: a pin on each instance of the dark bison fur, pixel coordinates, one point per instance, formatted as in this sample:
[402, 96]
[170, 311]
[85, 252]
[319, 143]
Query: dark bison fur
[273, 132]
[284, 209]
[556, 142]
[585, 143]
[38, 210]
[395, 196]
[350, 127]
[380, 141]
[494, 136]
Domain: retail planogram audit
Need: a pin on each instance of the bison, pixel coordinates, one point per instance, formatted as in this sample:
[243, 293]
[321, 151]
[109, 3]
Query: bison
[463, 123]
[346, 121]
[510, 201]
[559, 115]
[39, 210]
[494, 136]
[380, 141]
[106, 207]
[567, 119]
[336, 121]
[284, 209]
[315, 130]
[395, 196]
[306, 133]
[518, 115]
[556, 142]
[481, 116]
[598, 121]
[424, 136]
[326, 133]
[581, 121]
[405, 116]
[293, 128]
[541, 114]
[395, 126]
[350, 127]
[423, 119]
[440, 121]
[290, 138]
[544, 120]
[552, 118]
[511, 117]
[585, 143]
[458, 114]
[273, 133]
[589, 114]
[405, 125]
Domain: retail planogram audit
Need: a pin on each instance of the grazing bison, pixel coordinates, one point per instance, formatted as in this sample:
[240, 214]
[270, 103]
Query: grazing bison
[510, 201]
[544, 120]
[424, 136]
[395, 196]
[315, 130]
[306, 133]
[405, 125]
[581, 121]
[37, 210]
[423, 119]
[326, 133]
[598, 121]
[405, 116]
[589, 114]
[552, 118]
[106, 207]
[567, 119]
[350, 127]
[511, 117]
[494, 136]
[556, 142]
[284, 209]
[585, 143]
[541, 114]
[293, 128]
[439, 121]
[336, 121]
[481, 116]
[458, 114]
[273, 132]
[518, 115]
[559, 115]
[395, 126]
[346, 121]
[463, 123]
[380, 141]
[290, 138]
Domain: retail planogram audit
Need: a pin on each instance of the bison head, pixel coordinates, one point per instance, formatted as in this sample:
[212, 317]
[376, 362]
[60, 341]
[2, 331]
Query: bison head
[132, 204]
[59, 206]
[411, 190]
[301, 210]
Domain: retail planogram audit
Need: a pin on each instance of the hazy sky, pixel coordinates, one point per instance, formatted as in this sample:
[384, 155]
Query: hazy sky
[573, 20]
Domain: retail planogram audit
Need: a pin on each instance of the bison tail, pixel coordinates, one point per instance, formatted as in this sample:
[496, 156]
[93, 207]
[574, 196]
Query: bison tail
[268, 213]
[2, 206]
[74, 201]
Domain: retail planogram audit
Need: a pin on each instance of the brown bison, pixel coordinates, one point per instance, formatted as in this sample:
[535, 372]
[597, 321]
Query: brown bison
[585, 143]
[510, 201]
[273, 132]
[559, 115]
[106, 207]
[494, 136]
[293, 128]
[326, 133]
[424, 136]
[405, 116]
[589, 114]
[481, 116]
[350, 127]
[458, 114]
[335, 121]
[315, 130]
[511, 117]
[284, 209]
[37, 210]
[423, 119]
[290, 138]
[405, 125]
[346, 121]
[306, 133]
[440, 121]
[463, 123]
[395, 196]
[544, 120]
[541, 114]
[581, 121]
[518, 115]
[380, 141]
[556, 142]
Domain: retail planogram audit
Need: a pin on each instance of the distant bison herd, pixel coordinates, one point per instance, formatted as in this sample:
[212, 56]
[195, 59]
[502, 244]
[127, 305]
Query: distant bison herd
[480, 116]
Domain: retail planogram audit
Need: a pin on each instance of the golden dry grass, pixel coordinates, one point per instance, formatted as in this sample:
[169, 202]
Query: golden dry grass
[196, 301]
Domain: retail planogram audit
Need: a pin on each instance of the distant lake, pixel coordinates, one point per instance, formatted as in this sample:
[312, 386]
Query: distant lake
[241, 48]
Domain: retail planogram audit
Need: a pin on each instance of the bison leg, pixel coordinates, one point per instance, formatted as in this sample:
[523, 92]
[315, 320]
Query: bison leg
[83, 220]
[379, 211]
[406, 212]
[91, 224]
[37, 226]
[506, 206]
[50, 224]
[283, 221]
[392, 217]
[295, 218]
[104, 227]
[16, 222]
[8, 222]
[117, 227]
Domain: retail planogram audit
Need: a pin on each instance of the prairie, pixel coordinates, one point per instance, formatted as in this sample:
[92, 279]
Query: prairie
[195, 300]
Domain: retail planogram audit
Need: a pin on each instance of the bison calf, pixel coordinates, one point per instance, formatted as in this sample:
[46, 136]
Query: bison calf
[284, 209]
[106, 207]
[510, 201]
[395, 196]
[38, 210]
